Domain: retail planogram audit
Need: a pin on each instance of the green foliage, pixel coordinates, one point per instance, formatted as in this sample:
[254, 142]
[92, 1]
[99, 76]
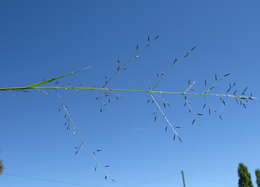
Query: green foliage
[257, 174]
[244, 176]
[1, 167]
[56, 78]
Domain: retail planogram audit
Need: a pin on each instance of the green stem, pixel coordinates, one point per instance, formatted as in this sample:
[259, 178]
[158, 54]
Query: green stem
[123, 90]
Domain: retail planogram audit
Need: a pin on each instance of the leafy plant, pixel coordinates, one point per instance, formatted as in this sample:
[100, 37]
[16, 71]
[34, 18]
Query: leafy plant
[1, 167]
[257, 174]
[244, 176]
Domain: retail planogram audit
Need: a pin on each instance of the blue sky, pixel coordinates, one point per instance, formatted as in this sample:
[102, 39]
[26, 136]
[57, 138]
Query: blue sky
[41, 39]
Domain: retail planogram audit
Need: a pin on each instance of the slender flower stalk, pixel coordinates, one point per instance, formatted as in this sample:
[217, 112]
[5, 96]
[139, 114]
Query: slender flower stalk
[124, 90]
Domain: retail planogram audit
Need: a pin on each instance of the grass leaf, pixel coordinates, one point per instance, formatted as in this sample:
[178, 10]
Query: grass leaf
[56, 78]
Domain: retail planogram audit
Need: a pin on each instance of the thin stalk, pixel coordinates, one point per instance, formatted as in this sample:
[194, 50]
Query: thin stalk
[124, 90]
[175, 133]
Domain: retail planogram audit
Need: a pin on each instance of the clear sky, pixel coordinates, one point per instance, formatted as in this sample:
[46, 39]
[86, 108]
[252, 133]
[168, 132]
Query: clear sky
[41, 39]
